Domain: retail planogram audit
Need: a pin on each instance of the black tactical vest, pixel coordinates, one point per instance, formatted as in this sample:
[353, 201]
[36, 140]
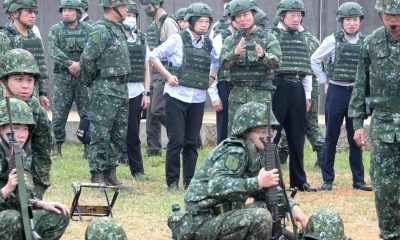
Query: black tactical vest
[295, 53]
[344, 66]
[137, 56]
[153, 32]
[195, 68]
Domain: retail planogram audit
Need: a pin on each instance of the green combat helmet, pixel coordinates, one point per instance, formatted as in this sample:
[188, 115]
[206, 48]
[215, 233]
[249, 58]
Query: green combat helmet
[198, 10]
[388, 6]
[180, 13]
[73, 4]
[251, 115]
[21, 113]
[325, 224]
[349, 9]
[14, 5]
[85, 4]
[18, 61]
[133, 7]
[112, 3]
[290, 5]
[239, 6]
[105, 228]
[261, 18]
[227, 11]
[145, 2]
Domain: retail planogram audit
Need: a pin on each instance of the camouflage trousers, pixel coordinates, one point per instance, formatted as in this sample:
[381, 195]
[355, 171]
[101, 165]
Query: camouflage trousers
[241, 95]
[108, 126]
[385, 174]
[67, 89]
[312, 130]
[48, 225]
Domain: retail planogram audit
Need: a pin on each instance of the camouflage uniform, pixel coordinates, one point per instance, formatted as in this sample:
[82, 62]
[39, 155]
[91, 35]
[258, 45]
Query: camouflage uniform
[48, 225]
[325, 224]
[105, 228]
[251, 77]
[104, 67]
[66, 44]
[378, 71]
[40, 139]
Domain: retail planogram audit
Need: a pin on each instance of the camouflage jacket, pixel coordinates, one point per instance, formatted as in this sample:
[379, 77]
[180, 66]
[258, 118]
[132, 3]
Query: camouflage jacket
[378, 85]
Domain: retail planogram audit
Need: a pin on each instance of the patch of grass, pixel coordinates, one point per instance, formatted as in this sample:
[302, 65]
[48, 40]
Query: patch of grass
[144, 211]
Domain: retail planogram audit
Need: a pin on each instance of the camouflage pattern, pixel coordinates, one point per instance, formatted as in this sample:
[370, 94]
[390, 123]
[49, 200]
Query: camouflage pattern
[388, 6]
[349, 9]
[85, 4]
[261, 18]
[24, 63]
[66, 44]
[378, 71]
[21, 113]
[180, 14]
[73, 4]
[133, 7]
[145, 2]
[108, 107]
[325, 224]
[238, 6]
[112, 3]
[242, 94]
[290, 5]
[198, 10]
[105, 228]
[14, 5]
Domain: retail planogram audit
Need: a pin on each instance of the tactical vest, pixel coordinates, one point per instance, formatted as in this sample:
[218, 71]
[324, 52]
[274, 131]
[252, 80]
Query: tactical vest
[137, 56]
[224, 74]
[295, 53]
[384, 78]
[344, 66]
[153, 32]
[248, 67]
[32, 44]
[195, 68]
[114, 62]
[71, 43]
[221, 26]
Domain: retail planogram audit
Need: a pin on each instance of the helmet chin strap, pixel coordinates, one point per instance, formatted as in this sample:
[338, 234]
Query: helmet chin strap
[115, 9]
[19, 20]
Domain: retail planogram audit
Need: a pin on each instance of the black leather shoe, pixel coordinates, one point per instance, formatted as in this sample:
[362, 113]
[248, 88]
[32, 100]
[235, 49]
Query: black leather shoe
[362, 186]
[326, 186]
[307, 188]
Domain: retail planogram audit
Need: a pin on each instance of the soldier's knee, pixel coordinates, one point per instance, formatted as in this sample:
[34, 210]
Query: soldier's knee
[10, 218]
[262, 222]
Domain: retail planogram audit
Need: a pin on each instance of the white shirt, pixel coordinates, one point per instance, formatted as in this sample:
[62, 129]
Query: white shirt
[172, 49]
[326, 53]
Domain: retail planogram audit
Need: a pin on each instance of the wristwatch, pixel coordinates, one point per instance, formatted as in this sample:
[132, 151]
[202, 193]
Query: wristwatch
[145, 93]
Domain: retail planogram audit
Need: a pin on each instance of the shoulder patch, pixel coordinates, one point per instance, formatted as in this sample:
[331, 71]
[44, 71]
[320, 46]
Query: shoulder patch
[96, 38]
[232, 162]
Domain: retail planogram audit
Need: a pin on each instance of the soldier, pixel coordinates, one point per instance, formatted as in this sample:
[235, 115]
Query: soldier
[138, 88]
[221, 25]
[66, 42]
[378, 84]
[17, 33]
[85, 16]
[261, 18]
[231, 174]
[105, 228]
[193, 64]
[51, 218]
[250, 54]
[19, 74]
[162, 27]
[180, 18]
[105, 67]
[293, 80]
[341, 51]
[323, 225]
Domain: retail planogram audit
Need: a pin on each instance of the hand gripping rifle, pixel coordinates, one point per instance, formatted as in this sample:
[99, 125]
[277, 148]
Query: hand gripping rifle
[277, 210]
[25, 207]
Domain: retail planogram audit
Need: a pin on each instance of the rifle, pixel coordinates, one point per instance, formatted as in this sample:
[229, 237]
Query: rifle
[278, 211]
[25, 207]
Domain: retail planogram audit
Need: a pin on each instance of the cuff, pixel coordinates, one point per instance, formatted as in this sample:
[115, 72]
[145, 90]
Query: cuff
[252, 184]
[358, 123]
[308, 95]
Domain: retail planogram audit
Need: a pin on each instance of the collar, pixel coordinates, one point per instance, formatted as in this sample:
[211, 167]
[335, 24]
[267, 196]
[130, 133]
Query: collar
[194, 41]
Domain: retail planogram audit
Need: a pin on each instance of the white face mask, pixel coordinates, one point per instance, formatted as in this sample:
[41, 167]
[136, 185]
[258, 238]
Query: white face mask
[131, 22]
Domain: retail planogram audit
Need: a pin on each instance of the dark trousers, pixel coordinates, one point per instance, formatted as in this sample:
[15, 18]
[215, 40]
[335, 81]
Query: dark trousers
[288, 105]
[223, 116]
[183, 127]
[132, 137]
[336, 109]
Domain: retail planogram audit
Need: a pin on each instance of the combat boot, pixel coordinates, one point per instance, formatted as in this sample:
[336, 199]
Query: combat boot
[57, 149]
[283, 156]
[98, 177]
[110, 176]
[317, 163]
[85, 151]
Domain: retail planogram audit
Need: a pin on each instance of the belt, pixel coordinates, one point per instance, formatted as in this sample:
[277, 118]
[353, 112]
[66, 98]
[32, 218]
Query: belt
[227, 207]
[292, 77]
[347, 88]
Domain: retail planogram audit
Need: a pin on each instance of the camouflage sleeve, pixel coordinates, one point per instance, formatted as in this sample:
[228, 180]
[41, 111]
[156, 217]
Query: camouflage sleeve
[55, 52]
[357, 100]
[227, 57]
[5, 43]
[228, 176]
[273, 53]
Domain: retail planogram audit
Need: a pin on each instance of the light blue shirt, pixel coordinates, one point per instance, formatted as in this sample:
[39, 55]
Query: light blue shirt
[172, 49]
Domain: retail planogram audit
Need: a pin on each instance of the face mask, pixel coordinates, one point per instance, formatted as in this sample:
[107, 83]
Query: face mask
[130, 22]
[149, 12]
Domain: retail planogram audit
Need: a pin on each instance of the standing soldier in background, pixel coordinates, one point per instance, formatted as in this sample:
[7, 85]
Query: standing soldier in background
[85, 16]
[250, 55]
[17, 33]
[293, 80]
[378, 84]
[105, 67]
[222, 24]
[162, 27]
[66, 43]
[341, 51]
[180, 18]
